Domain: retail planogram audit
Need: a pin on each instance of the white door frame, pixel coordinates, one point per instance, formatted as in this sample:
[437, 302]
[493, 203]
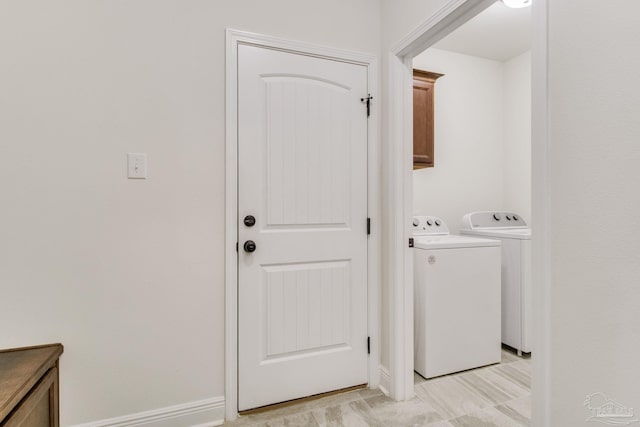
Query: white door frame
[399, 209]
[234, 39]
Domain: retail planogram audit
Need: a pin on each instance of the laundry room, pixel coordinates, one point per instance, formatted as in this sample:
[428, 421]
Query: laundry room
[481, 141]
[472, 204]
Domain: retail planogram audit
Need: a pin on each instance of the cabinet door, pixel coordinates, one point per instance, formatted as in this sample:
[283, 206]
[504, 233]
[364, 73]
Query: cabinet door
[423, 118]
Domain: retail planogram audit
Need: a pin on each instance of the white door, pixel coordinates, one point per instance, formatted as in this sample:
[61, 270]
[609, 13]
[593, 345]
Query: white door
[302, 294]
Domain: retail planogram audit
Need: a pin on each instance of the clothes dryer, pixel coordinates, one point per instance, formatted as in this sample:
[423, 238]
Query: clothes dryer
[515, 235]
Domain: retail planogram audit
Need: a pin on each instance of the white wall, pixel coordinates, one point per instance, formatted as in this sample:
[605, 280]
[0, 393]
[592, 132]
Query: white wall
[401, 17]
[469, 158]
[517, 135]
[482, 137]
[128, 274]
[593, 157]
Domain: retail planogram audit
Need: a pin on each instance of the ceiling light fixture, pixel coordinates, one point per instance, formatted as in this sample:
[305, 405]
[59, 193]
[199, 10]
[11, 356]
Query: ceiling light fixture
[516, 4]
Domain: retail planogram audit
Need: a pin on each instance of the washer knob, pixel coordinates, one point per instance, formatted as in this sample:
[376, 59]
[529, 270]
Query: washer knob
[416, 222]
[438, 222]
[429, 222]
[515, 217]
[496, 216]
[508, 218]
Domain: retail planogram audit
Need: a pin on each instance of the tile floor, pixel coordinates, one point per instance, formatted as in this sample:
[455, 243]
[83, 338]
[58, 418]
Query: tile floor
[493, 396]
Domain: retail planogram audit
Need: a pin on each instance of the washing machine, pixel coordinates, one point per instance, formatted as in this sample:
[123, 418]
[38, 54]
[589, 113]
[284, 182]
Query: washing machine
[456, 299]
[515, 235]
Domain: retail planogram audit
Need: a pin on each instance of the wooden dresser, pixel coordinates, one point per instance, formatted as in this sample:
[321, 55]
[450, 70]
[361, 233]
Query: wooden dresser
[29, 386]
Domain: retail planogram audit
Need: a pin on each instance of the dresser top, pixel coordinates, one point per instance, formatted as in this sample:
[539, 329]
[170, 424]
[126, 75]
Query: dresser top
[20, 369]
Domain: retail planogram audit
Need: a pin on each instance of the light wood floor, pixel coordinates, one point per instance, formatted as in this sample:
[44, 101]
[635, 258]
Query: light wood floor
[493, 396]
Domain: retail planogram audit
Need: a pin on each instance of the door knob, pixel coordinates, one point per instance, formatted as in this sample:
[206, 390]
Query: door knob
[249, 246]
[249, 220]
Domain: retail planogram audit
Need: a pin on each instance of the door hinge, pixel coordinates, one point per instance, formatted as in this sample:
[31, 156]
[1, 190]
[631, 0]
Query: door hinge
[368, 101]
[368, 225]
[410, 242]
[368, 345]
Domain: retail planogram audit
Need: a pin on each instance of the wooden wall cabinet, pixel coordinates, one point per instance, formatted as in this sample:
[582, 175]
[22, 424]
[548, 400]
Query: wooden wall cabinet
[423, 123]
[29, 386]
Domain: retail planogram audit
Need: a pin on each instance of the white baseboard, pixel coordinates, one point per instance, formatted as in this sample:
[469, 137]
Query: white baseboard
[203, 413]
[385, 380]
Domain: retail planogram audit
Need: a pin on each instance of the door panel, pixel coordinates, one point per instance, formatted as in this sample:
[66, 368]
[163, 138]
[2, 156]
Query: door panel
[308, 136]
[306, 308]
[302, 173]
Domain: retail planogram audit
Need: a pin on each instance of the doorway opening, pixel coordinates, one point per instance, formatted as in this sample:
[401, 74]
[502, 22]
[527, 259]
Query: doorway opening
[401, 177]
[471, 217]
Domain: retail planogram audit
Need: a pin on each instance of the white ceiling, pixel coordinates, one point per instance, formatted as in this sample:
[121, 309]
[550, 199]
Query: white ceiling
[499, 33]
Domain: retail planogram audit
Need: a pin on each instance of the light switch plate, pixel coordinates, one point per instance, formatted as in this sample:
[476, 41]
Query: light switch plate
[137, 165]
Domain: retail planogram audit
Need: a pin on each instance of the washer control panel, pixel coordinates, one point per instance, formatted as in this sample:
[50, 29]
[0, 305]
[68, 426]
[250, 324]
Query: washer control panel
[429, 226]
[492, 219]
